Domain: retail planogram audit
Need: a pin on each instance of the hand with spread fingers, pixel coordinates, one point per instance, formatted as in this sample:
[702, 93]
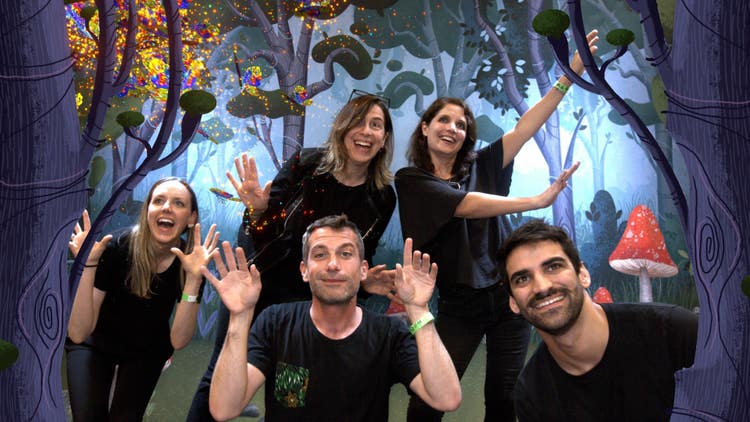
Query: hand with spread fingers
[78, 237]
[201, 252]
[248, 188]
[576, 64]
[381, 281]
[239, 287]
[415, 279]
[549, 195]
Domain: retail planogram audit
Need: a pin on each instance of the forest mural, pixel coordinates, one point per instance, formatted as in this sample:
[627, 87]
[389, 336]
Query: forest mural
[114, 94]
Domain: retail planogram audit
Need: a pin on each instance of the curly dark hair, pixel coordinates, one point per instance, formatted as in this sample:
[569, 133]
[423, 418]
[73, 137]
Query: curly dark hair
[418, 154]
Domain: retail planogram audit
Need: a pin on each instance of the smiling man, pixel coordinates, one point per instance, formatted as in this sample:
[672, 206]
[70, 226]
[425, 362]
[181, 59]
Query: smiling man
[328, 359]
[607, 362]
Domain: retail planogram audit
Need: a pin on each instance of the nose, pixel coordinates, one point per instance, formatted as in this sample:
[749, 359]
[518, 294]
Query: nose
[541, 284]
[333, 263]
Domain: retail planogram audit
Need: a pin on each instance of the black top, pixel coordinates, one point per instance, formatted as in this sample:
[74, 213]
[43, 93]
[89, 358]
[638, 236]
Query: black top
[310, 377]
[634, 381]
[128, 325]
[298, 197]
[465, 249]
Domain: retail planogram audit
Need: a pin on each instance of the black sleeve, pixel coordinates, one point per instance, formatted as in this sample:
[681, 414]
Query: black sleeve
[491, 176]
[426, 203]
[682, 335]
[406, 359]
[385, 203]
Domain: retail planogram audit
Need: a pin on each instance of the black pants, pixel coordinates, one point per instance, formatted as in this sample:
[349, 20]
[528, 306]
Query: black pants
[90, 374]
[482, 313]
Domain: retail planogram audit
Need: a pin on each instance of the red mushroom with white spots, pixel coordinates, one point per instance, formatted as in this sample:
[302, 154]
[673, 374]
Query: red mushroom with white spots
[642, 251]
[602, 295]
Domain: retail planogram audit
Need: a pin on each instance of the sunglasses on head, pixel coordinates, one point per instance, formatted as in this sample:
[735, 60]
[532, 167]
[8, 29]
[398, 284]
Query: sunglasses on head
[359, 93]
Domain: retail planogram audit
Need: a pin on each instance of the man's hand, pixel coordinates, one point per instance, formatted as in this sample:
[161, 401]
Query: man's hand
[238, 288]
[381, 281]
[248, 188]
[415, 280]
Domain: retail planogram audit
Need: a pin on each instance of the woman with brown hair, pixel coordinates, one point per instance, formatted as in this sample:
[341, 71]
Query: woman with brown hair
[350, 174]
[451, 201]
[126, 295]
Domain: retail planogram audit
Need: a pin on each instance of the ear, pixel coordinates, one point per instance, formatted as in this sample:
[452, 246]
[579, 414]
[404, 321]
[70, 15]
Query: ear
[193, 219]
[584, 276]
[424, 128]
[303, 271]
[363, 270]
[513, 305]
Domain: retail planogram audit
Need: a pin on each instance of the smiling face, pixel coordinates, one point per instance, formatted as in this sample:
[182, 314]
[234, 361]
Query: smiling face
[170, 210]
[333, 266]
[446, 132]
[365, 140]
[546, 289]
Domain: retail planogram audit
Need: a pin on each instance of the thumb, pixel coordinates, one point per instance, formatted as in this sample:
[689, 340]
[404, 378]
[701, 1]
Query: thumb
[267, 188]
[178, 252]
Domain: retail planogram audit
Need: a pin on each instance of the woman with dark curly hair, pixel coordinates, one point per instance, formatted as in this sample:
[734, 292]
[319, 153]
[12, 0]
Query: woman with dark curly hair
[451, 201]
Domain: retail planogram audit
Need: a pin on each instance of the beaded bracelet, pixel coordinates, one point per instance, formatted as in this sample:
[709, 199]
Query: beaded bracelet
[561, 87]
[421, 322]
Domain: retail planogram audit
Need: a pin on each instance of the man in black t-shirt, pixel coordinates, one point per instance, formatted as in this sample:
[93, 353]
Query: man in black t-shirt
[329, 359]
[597, 362]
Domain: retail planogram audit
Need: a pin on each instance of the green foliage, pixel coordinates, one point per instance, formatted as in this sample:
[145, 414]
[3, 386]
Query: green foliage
[620, 37]
[130, 119]
[272, 104]
[88, 12]
[98, 167]
[659, 98]
[398, 95]
[358, 67]
[746, 285]
[394, 65]
[197, 102]
[551, 23]
[487, 130]
[666, 16]
[8, 354]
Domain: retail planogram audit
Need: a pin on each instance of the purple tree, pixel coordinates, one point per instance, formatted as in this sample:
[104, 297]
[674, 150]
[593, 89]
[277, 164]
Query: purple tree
[707, 118]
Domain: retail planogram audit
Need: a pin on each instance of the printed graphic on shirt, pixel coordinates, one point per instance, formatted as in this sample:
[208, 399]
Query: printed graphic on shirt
[291, 385]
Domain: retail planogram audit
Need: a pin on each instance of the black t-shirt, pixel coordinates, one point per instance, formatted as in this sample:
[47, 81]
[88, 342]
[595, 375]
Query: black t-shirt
[130, 326]
[634, 381]
[298, 197]
[310, 377]
[465, 249]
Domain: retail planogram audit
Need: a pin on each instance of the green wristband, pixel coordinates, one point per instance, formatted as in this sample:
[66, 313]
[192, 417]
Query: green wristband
[560, 87]
[189, 298]
[421, 322]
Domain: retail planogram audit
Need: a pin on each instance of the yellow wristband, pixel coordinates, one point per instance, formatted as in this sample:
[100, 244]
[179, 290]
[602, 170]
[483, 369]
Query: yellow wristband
[561, 87]
[421, 322]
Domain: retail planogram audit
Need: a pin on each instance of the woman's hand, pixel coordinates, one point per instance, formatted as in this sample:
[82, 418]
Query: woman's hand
[576, 64]
[248, 189]
[381, 281]
[201, 253]
[549, 195]
[79, 235]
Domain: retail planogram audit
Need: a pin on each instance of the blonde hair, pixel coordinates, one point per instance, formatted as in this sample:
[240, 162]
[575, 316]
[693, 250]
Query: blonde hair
[335, 155]
[141, 250]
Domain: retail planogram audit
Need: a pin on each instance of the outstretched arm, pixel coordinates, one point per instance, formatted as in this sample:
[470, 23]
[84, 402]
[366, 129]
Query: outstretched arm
[485, 205]
[185, 317]
[88, 299]
[235, 381]
[537, 115]
[437, 383]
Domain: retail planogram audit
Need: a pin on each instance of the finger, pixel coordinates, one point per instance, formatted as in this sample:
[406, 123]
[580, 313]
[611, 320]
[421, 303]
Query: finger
[254, 273]
[102, 243]
[234, 183]
[416, 258]
[180, 255]
[407, 251]
[252, 169]
[399, 281]
[267, 189]
[433, 271]
[245, 167]
[214, 242]
[220, 263]
[241, 260]
[209, 236]
[425, 263]
[73, 249]
[240, 170]
[197, 234]
[229, 256]
[210, 277]
[591, 35]
[86, 220]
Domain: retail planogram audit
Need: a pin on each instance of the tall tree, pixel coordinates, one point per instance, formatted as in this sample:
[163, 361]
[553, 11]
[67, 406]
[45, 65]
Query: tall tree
[706, 115]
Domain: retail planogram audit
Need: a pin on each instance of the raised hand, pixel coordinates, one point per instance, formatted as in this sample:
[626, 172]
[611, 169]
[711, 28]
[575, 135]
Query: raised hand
[202, 251]
[415, 280]
[239, 288]
[248, 188]
[381, 281]
[549, 195]
[79, 235]
[576, 64]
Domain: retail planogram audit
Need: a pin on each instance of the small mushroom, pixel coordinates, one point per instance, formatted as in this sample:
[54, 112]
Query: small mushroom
[642, 251]
[602, 295]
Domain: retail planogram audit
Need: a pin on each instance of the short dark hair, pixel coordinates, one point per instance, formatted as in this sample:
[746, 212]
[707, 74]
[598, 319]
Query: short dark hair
[418, 154]
[535, 231]
[337, 223]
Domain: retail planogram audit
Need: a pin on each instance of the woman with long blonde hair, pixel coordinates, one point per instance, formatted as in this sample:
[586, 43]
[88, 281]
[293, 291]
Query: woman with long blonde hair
[126, 295]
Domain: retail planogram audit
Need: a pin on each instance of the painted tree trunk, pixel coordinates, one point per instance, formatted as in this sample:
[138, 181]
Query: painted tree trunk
[42, 186]
[708, 118]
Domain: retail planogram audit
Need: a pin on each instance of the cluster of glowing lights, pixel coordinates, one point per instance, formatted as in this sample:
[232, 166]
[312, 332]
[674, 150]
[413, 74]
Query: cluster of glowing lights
[301, 96]
[251, 80]
[150, 71]
[310, 8]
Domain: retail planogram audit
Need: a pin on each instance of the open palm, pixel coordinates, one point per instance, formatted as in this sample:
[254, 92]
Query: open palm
[415, 280]
[239, 287]
[248, 188]
[202, 251]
